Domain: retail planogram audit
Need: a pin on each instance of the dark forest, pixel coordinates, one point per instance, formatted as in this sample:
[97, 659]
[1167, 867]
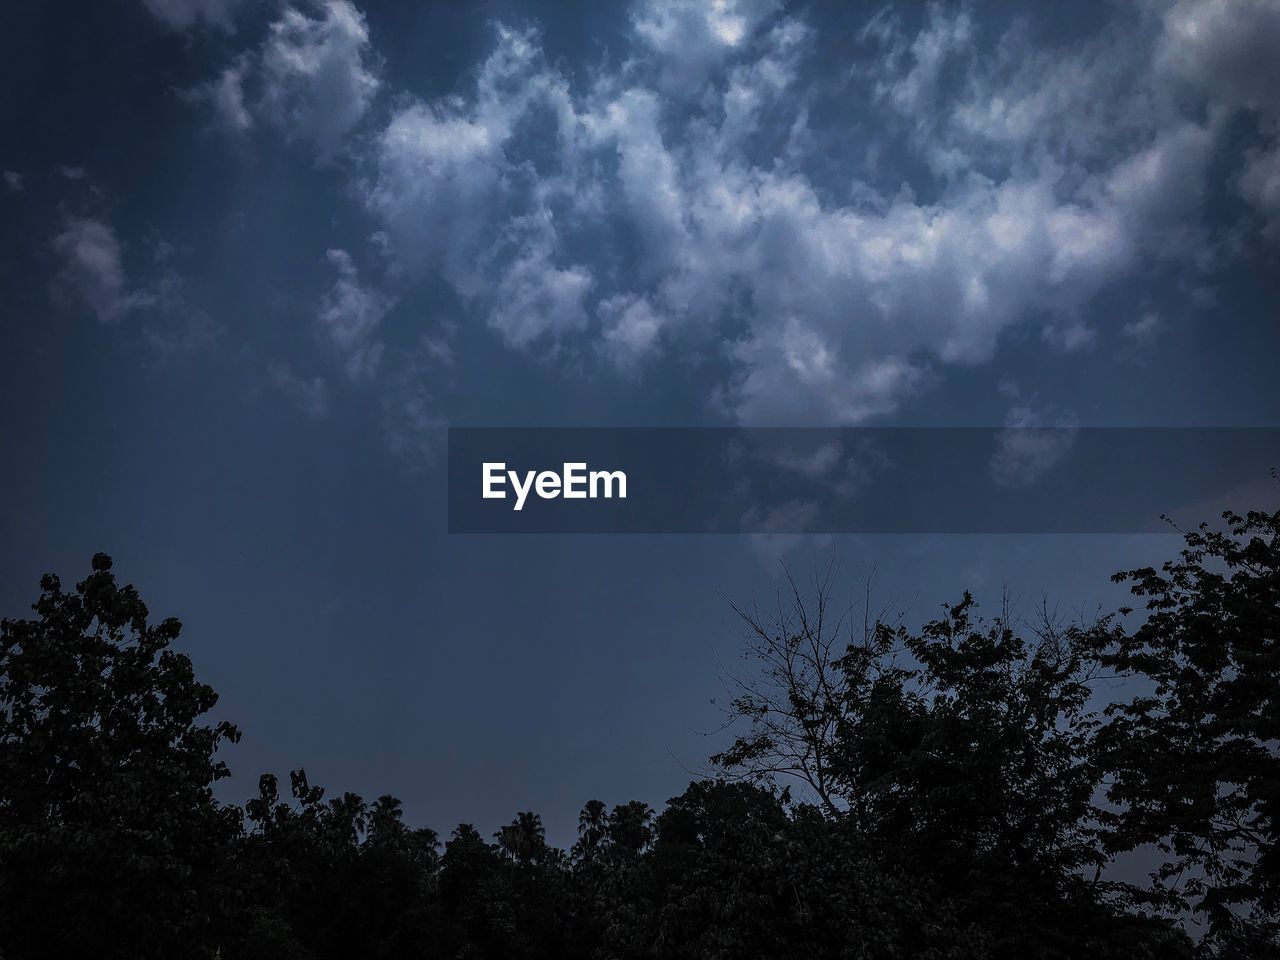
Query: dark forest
[959, 791]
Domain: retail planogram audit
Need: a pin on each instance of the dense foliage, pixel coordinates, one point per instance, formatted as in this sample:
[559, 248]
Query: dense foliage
[109, 831]
[960, 792]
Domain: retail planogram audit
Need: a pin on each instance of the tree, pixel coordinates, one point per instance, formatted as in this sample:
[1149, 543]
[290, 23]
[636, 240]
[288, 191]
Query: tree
[808, 659]
[592, 826]
[332, 879]
[476, 898]
[631, 827]
[964, 734]
[110, 837]
[959, 755]
[1194, 758]
[735, 872]
[950, 806]
[524, 840]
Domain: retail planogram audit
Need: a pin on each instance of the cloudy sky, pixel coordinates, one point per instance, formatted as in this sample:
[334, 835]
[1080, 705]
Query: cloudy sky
[258, 255]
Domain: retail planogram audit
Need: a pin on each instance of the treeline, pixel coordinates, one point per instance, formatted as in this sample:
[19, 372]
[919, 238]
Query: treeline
[961, 794]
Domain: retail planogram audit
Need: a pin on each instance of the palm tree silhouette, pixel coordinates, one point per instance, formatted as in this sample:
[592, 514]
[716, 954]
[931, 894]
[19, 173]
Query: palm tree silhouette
[630, 826]
[593, 824]
[523, 840]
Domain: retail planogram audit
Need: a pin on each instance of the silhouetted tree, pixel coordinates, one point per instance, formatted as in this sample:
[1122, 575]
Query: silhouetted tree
[1194, 758]
[110, 837]
[523, 840]
[960, 798]
[333, 879]
[592, 826]
[805, 657]
[630, 827]
[959, 754]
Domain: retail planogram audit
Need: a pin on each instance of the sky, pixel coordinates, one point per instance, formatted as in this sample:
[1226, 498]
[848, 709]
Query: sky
[256, 257]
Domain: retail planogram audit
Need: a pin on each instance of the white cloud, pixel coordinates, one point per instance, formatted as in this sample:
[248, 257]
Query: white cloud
[317, 82]
[630, 328]
[842, 468]
[1225, 49]
[1260, 185]
[13, 180]
[615, 215]
[691, 37]
[438, 348]
[1144, 328]
[777, 532]
[535, 298]
[451, 199]
[311, 397]
[227, 98]
[653, 198]
[93, 276]
[1070, 337]
[793, 516]
[753, 87]
[185, 14]
[439, 180]
[413, 425]
[1159, 190]
[1225, 52]
[441, 170]
[350, 315]
[814, 463]
[1027, 448]
[313, 77]
[911, 84]
[92, 273]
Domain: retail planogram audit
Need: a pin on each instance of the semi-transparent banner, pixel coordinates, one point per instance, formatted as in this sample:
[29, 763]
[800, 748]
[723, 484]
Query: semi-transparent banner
[854, 480]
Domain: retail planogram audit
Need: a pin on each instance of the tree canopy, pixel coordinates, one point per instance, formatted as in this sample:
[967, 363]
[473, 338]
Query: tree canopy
[957, 790]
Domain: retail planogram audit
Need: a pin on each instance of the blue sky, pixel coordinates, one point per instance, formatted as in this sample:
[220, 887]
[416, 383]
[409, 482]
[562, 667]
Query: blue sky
[257, 256]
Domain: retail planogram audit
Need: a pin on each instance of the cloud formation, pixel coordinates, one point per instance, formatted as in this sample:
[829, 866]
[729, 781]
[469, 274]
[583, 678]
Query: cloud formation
[92, 276]
[92, 272]
[350, 314]
[1028, 448]
[833, 233]
[708, 219]
[691, 38]
[313, 77]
